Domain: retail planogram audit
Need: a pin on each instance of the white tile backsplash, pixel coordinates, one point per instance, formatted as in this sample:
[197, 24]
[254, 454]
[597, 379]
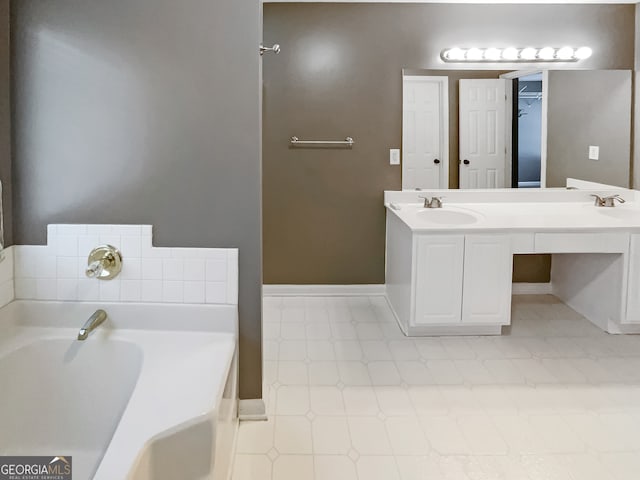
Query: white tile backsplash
[149, 274]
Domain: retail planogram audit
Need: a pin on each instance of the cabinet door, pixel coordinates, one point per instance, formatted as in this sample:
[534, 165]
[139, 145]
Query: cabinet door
[633, 288]
[487, 279]
[438, 292]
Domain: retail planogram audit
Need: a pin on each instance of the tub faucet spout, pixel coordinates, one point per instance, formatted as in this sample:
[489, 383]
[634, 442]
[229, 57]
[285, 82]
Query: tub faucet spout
[90, 325]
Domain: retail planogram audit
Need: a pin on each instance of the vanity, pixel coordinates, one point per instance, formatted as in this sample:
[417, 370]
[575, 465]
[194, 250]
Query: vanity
[449, 269]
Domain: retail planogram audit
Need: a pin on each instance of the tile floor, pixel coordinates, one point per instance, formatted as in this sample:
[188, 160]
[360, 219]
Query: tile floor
[350, 398]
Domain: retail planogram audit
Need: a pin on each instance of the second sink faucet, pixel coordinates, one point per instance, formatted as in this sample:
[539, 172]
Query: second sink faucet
[607, 201]
[434, 202]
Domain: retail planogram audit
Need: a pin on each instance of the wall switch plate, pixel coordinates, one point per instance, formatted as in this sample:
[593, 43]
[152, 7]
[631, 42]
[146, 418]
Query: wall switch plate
[594, 152]
[394, 156]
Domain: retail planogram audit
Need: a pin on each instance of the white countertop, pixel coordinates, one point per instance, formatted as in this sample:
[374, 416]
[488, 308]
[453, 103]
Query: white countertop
[522, 216]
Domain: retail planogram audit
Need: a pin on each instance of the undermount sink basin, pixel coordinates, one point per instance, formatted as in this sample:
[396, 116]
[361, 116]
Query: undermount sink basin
[619, 212]
[442, 216]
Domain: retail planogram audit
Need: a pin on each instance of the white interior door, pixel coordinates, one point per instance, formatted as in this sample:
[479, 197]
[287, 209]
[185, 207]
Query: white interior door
[425, 132]
[483, 133]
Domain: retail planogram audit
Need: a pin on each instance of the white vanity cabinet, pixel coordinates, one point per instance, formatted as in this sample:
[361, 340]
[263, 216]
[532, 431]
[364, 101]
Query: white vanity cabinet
[460, 284]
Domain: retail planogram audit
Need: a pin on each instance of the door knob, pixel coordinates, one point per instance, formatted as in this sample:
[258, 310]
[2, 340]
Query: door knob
[436, 161]
[466, 162]
[275, 49]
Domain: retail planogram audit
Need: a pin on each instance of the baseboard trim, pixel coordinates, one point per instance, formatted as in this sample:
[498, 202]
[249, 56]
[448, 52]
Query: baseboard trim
[252, 409]
[531, 288]
[322, 290]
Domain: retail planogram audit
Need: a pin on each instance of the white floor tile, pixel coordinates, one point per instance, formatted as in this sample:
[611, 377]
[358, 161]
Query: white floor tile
[318, 331]
[334, 467]
[384, 373]
[376, 350]
[474, 372]
[326, 401]
[353, 373]
[377, 468]
[428, 400]
[293, 314]
[360, 401]
[292, 434]
[481, 435]
[319, 350]
[430, 348]
[404, 350]
[347, 350]
[323, 373]
[331, 436]
[444, 372]
[369, 331]
[292, 400]
[291, 350]
[251, 467]
[293, 467]
[292, 331]
[368, 436]
[349, 397]
[406, 436]
[255, 437]
[394, 401]
[414, 373]
[444, 435]
[293, 373]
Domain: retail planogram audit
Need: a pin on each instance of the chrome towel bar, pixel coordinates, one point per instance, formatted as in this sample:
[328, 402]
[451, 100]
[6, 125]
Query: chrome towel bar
[347, 142]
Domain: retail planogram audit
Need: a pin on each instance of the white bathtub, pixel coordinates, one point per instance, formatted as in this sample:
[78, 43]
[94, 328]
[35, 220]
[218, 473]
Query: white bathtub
[150, 395]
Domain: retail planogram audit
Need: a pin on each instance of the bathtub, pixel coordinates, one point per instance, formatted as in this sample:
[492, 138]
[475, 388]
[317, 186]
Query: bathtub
[150, 395]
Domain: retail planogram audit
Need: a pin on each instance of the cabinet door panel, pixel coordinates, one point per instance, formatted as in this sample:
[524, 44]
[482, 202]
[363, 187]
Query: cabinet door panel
[438, 293]
[487, 279]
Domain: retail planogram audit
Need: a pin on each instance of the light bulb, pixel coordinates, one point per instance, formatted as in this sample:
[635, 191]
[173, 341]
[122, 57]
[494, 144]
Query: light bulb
[565, 53]
[583, 52]
[546, 53]
[528, 53]
[492, 54]
[510, 53]
[474, 54]
[454, 53]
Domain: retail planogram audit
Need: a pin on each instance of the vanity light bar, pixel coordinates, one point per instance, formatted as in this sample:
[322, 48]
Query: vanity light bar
[513, 54]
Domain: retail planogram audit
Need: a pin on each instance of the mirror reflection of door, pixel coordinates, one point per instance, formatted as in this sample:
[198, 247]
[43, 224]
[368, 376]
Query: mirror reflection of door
[482, 133]
[425, 133]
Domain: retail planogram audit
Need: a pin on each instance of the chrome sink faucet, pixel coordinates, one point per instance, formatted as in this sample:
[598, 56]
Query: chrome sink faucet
[90, 325]
[434, 202]
[607, 201]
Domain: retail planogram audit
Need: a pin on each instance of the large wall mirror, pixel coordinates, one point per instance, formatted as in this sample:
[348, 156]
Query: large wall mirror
[515, 129]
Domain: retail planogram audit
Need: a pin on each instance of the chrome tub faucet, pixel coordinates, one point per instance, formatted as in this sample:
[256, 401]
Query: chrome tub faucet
[92, 323]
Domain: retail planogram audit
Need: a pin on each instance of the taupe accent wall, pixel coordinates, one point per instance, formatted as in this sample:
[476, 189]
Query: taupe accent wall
[589, 108]
[339, 74]
[148, 112]
[5, 120]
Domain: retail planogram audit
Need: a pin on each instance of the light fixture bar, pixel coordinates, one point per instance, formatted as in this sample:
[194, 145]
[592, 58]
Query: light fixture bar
[514, 55]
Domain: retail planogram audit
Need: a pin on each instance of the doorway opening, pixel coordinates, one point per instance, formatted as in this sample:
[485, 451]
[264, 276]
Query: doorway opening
[527, 131]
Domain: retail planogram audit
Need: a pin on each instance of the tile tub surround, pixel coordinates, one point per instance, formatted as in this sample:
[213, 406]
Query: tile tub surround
[351, 398]
[149, 274]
